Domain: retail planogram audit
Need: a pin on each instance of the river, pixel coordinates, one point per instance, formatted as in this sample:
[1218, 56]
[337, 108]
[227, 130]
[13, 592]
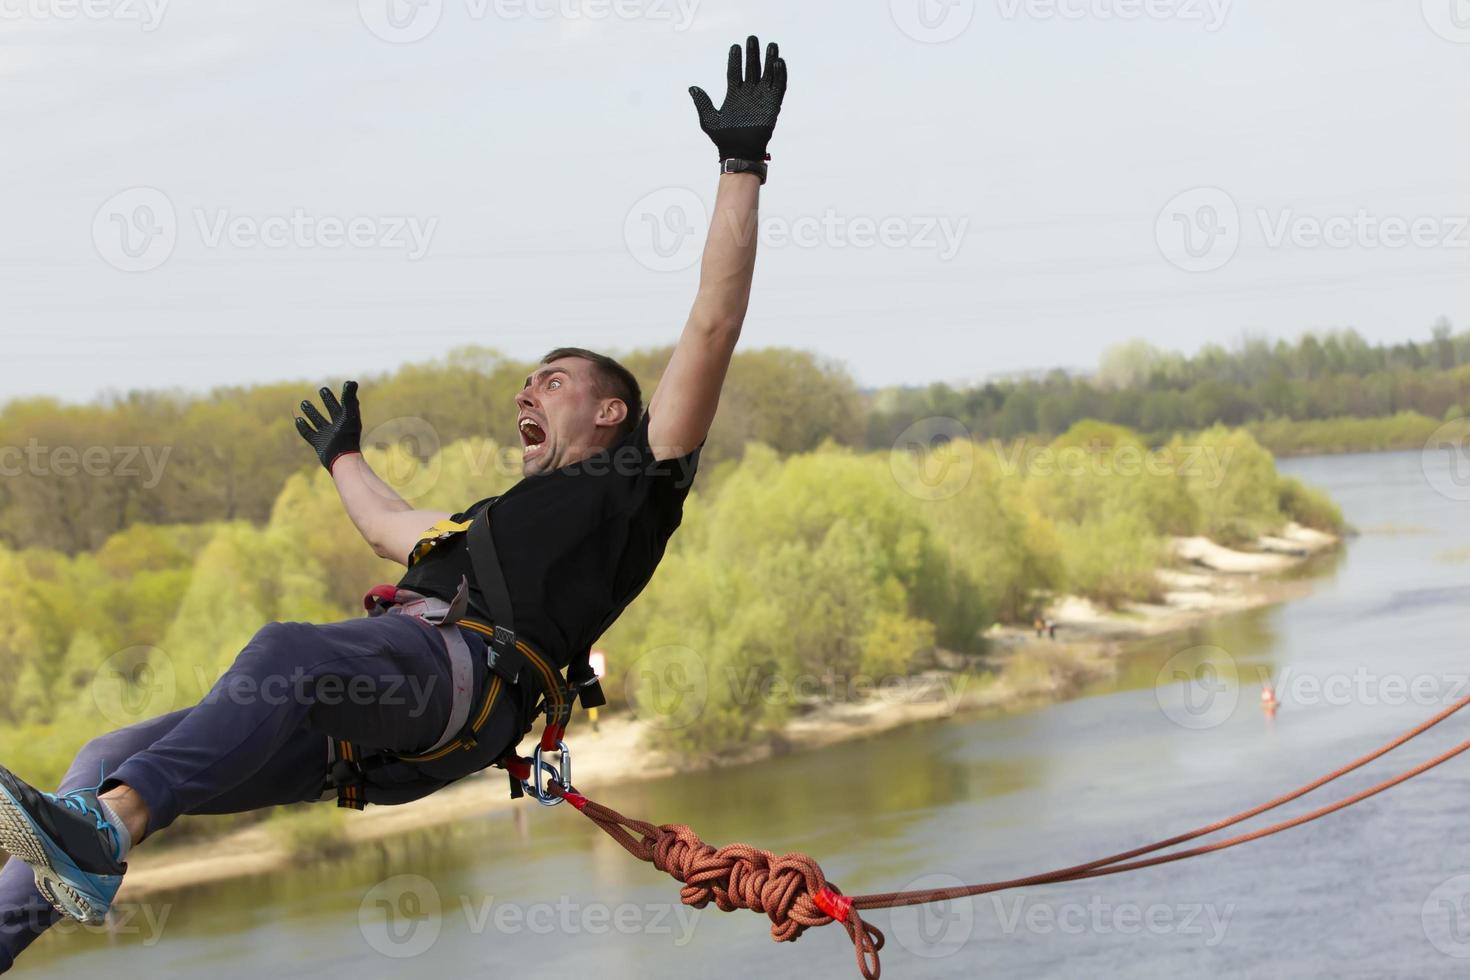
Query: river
[1374, 891]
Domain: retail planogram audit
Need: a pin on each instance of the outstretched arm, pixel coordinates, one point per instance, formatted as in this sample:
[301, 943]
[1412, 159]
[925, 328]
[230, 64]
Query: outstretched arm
[683, 405]
[385, 520]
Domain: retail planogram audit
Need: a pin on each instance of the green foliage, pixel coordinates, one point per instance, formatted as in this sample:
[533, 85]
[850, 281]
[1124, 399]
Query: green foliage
[1270, 387]
[86, 472]
[1232, 481]
[1308, 505]
[1289, 437]
[803, 563]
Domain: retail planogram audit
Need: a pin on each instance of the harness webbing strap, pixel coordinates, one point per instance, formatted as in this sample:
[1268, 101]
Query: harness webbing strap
[348, 771]
[504, 658]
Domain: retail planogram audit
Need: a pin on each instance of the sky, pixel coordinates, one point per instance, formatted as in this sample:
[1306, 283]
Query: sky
[207, 192]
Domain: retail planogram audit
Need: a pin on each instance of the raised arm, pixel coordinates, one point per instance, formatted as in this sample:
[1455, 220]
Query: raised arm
[683, 405]
[384, 519]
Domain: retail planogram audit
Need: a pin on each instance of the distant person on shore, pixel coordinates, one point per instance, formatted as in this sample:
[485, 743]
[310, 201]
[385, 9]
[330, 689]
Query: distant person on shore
[445, 676]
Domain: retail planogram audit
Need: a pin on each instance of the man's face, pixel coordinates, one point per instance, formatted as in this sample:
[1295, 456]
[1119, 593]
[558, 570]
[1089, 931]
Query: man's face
[560, 416]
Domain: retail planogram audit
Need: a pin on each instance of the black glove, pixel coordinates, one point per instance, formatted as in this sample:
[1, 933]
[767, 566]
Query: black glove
[340, 436]
[743, 125]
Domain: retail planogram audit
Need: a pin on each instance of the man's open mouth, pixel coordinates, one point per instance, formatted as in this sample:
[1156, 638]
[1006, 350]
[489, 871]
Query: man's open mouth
[532, 436]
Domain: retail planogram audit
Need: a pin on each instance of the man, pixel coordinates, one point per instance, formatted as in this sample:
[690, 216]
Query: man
[389, 708]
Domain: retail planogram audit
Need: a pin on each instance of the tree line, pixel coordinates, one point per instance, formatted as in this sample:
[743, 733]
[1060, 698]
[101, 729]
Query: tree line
[833, 562]
[74, 475]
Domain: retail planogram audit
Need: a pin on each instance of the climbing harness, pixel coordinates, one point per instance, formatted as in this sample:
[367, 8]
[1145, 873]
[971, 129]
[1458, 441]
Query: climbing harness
[794, 894]
[511, 661]
[506, 653]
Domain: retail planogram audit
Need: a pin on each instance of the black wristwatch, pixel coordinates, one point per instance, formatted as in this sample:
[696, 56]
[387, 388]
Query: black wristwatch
[734, 166]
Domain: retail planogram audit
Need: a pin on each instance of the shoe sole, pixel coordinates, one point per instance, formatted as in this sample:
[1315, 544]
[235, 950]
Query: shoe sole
[19, 838]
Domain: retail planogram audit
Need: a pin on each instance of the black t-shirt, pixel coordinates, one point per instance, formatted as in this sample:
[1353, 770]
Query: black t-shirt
[576, 544]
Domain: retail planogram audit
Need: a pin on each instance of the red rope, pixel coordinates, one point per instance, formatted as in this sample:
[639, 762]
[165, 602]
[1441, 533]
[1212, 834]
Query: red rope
[794, 894]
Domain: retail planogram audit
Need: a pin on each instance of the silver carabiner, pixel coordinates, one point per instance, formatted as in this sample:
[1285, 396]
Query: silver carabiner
[536, 786]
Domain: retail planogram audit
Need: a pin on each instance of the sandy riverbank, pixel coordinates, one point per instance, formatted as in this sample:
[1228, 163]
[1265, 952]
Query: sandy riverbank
[1206, 580]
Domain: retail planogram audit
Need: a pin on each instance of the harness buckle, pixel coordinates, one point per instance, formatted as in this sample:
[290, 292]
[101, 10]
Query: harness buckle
[540, 768]
[502, 656]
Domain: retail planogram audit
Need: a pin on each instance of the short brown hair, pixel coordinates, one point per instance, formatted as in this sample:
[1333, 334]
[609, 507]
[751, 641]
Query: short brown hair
[612, 380]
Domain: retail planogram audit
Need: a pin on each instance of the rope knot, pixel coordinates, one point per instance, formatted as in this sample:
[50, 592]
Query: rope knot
[790, 890]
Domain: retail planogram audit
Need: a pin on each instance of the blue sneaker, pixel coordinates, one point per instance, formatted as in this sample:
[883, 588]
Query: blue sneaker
[71, 846]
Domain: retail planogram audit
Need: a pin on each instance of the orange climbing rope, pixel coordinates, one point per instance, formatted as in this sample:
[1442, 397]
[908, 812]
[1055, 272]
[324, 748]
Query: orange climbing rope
[794, 894]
